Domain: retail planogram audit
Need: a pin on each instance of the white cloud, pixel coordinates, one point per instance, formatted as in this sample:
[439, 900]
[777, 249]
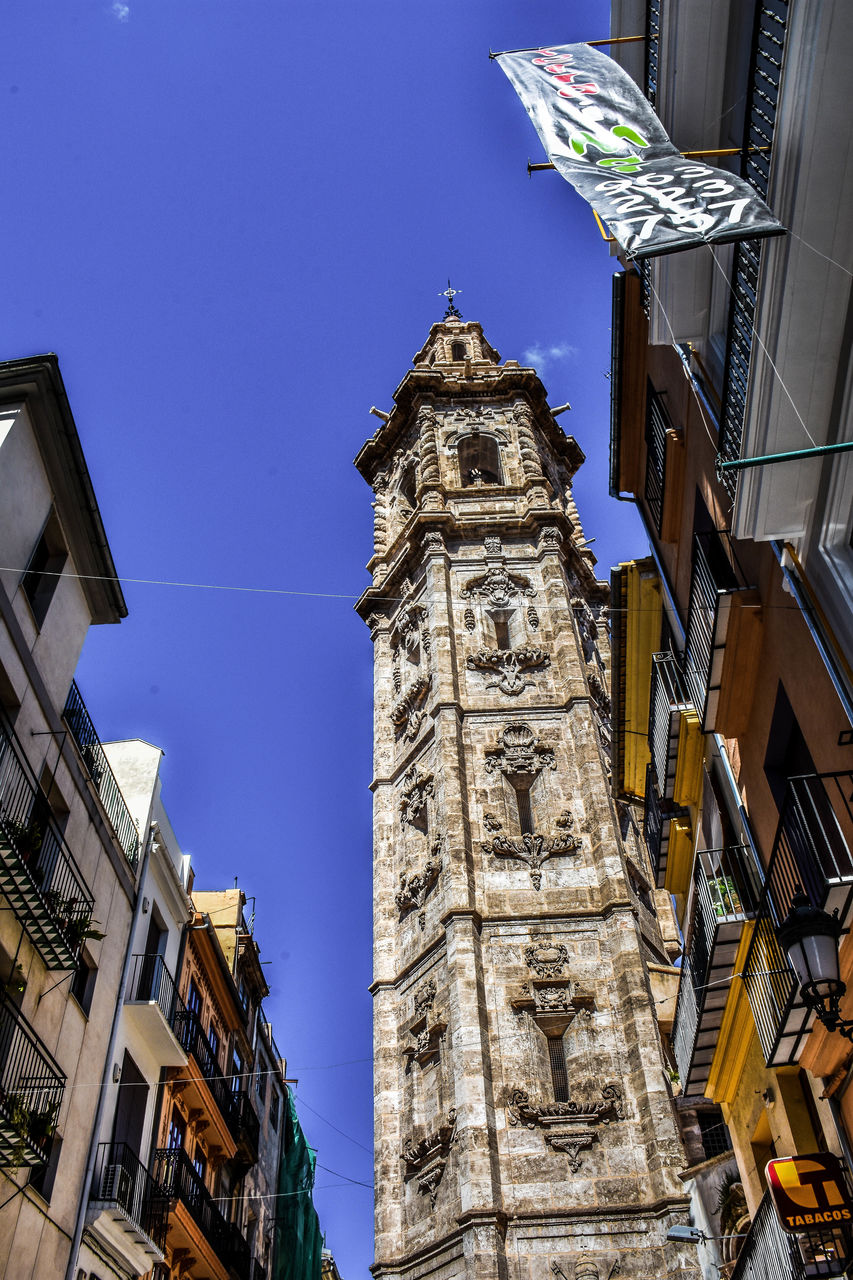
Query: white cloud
[540, 355]
[121, 11]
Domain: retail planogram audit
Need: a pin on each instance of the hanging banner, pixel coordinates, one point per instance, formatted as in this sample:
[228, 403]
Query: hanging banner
[604, 138]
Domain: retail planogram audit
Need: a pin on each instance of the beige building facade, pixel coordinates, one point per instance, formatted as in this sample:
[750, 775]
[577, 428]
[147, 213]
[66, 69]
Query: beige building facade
[524, 1118]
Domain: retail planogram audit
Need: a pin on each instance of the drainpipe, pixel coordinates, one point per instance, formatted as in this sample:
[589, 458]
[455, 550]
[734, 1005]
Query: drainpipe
[814, 621]
[71, 1269]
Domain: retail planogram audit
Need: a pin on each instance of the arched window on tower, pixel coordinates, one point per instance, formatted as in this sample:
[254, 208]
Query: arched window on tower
[479, 460]
[458, 351]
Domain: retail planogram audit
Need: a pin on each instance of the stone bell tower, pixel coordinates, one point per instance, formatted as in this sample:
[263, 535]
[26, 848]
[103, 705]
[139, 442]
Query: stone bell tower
[524, 1127]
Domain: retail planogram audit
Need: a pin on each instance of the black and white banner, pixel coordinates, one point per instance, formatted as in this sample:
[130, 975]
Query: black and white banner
[603, 137]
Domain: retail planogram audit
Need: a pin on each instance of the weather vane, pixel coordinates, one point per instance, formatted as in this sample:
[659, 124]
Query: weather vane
[450, 293]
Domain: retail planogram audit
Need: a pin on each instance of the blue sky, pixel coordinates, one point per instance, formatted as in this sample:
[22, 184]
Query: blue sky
[232, 221]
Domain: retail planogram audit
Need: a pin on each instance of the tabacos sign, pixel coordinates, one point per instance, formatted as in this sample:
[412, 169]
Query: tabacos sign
[809, 1192]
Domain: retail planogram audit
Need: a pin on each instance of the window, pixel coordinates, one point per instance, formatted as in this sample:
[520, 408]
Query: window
[213, 1037]
[559, 1074]
[177, 1129]
[236, 1070]
[275, 1104]
[479, 460]
[263, 1076]
[83, 982]
[46, 563]
[504, 627]
[199, 1162]
[458, 351]
[521, 787]
[194, 998]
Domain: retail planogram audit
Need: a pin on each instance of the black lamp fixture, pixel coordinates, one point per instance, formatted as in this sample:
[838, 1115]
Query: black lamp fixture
[810, 938]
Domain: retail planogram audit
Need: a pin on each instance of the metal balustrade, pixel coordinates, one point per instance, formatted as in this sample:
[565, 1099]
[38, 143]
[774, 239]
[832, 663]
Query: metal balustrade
[812, 850]
[178, 1179]
[669, 698]
[652, 49]
[150, 980]
[120, 1179]
[38, 874]
[727, 889]
[83, 731]
[767, 60]
[31, 1091]
[715, 578]
[657, 817]
[190, 1034]
[657, 426]
[246, 1127]
[769, 1253]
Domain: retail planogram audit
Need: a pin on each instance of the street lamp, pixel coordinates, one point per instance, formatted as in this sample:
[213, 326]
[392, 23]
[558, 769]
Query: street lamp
[810, 938]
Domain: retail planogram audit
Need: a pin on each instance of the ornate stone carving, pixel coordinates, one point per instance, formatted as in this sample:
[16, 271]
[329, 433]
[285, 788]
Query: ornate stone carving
[492, 544]
[426, 1159]
[599, 695]
[409, 712]
[433, 541]
[470, 620]
[566, 819]
[519, 754]
[533, 618]
[553, 999]
[380, 512]
[546, 959]
[572, 1144]
[425, 996]
[532, 849]
[498, 586]
[530, 463]
[417, 787]
[548, 1114]
[551, 538]
[491, 823]
[414, 887]
[509, 666]
[430, 471]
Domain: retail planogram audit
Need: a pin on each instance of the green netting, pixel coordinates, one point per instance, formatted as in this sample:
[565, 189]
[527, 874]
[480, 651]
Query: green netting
[299, 1241]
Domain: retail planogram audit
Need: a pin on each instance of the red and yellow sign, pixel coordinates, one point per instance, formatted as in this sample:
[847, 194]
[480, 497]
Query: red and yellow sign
[809, 1192]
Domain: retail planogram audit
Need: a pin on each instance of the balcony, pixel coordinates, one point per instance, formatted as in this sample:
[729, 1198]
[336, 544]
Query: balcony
[179, 1183]
[769, 1251]
[670, 702]
[245, 1125]
[155, 1009]
[717, 589]
[31, 1091]
[83, 731]
[126, 1207]
[726, 893]
[766, 75]
[657, 427]
[812, 849]
[665, 825]
[38, 875]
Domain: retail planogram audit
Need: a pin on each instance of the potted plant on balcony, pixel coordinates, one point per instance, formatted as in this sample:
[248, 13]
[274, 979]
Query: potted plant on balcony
[726, 896]
[27, 840]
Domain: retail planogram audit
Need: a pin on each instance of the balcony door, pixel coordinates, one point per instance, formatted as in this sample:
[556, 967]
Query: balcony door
[131, 1106]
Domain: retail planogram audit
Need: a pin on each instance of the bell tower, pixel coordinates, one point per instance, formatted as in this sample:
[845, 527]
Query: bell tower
[524, 1126]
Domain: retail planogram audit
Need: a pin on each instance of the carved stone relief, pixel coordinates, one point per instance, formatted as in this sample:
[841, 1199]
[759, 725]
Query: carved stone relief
[428, 1029]
[492, 544]
[509, 666]
[498, 586]
[546, 959]
[426, 1159]
[530, 461]
[415, 886]
[564, 1123]
[519, 754]
[417, 788]
[409, 712]
[532, 849]
[425, 997]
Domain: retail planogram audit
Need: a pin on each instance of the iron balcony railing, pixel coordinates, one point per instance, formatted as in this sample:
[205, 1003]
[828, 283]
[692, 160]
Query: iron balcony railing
[246, 1127]
[83, 731]
[812, 850]
[38, 874]
[151, 981]
[726, 891]
[768, 53]
[120, 1179]
[769, 1253]
[178, 1179]
[658, 814]
[188, 1029]
[652, 49]
[31, 1091]
[669, 698]
[715, 578]
[657, 426]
